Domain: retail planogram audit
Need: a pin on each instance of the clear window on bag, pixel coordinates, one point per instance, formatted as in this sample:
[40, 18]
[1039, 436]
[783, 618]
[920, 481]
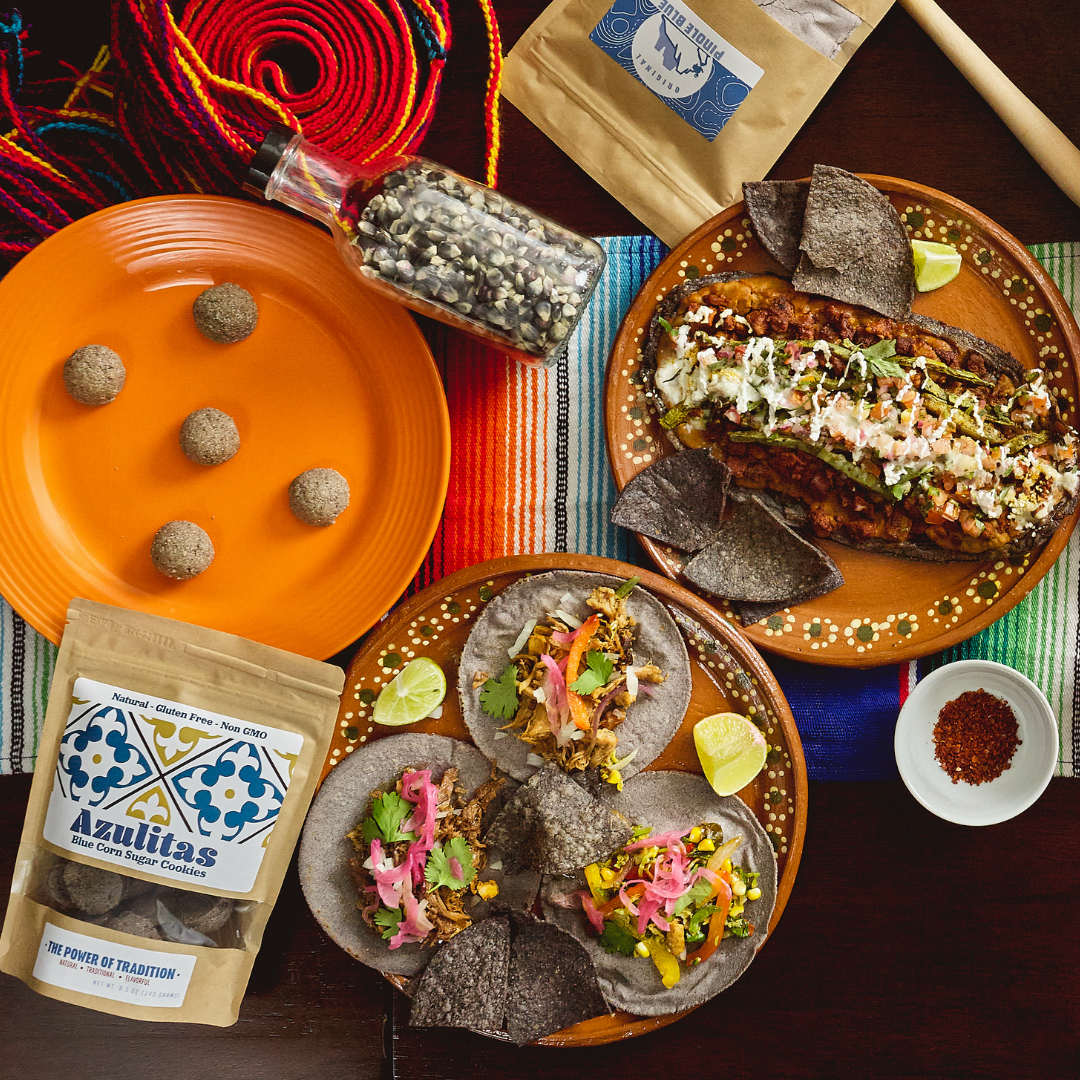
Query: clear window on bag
[140, 908]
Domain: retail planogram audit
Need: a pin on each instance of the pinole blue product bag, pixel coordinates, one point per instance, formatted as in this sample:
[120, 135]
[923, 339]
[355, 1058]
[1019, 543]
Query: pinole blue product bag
[671, 105]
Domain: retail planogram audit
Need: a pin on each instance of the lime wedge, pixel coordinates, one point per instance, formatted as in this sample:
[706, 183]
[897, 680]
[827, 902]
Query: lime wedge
[413, 693]
[935, 264]
[731, 750]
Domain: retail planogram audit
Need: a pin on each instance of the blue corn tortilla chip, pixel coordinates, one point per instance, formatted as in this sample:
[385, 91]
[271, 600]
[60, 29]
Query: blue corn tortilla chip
[758, 559]
[552, 982]
[551, 825]
[854, 246]
[776, 209]
[465, 983]
[678, 500]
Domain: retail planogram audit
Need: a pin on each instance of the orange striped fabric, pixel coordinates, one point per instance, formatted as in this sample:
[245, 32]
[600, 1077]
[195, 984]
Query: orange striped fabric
[528, 471]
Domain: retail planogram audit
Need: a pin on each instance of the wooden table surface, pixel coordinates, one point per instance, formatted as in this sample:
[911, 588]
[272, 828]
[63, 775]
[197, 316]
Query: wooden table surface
[910, 947]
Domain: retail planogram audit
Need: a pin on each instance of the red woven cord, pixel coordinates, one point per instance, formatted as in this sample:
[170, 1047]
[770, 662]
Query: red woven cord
[364, 55]
[491, 97]
[187, 102]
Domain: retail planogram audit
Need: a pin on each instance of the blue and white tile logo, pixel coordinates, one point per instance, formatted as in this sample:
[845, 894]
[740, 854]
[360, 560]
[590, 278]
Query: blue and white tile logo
[182, 793]
[682, 60]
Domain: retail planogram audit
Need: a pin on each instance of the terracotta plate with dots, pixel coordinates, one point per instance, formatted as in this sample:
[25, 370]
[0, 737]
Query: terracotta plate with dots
[889, 609]
[83, 490]
[728, 676]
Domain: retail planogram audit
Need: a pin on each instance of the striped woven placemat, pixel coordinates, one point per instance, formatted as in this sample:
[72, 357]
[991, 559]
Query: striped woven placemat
[529, 474]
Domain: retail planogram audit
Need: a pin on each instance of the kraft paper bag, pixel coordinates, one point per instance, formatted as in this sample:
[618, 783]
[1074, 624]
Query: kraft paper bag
[176, 765]
[672, 104]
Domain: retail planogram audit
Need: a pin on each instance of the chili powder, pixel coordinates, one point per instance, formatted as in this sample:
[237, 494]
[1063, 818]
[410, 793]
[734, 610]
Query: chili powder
[975, 737]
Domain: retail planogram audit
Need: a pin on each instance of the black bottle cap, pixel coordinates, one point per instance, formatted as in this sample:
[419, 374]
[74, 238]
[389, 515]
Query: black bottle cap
[266, 159]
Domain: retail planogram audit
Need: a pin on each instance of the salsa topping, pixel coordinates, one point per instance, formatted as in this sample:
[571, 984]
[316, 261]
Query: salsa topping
[672, 897]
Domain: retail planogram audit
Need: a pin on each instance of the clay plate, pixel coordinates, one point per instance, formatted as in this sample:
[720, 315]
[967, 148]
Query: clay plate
[889, 610]
[728, 675]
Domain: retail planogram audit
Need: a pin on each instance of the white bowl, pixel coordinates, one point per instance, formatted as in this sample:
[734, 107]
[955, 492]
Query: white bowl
[1018, 786]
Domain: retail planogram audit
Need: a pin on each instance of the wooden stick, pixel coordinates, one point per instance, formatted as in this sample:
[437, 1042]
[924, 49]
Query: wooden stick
[1046, 142]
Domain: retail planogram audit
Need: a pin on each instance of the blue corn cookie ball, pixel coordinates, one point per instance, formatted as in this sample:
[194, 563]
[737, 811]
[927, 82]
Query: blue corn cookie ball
[181, 550]
[94, 375]
[318, 496]
[225, 313]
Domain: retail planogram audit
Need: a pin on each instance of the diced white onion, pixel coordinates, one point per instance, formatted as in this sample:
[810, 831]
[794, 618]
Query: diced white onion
[631, 681]
[526, 630]
[567, 618]
[436, 712]
[534, 759]
[502, 734]
[539, 696]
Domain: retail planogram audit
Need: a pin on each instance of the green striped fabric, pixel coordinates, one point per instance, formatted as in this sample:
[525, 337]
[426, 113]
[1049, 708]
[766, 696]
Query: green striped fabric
[1041, 635]
[26, 666]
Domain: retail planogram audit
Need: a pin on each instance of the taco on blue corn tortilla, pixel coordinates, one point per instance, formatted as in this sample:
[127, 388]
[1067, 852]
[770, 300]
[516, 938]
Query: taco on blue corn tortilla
[586, 670]
[675, 916]
[391, 861]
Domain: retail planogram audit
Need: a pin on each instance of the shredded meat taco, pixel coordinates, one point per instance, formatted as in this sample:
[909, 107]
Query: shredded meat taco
[418, 853]
[391, 860]
[585, 670]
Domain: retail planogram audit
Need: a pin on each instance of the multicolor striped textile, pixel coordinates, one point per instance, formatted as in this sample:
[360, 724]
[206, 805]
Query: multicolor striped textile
[530, 474]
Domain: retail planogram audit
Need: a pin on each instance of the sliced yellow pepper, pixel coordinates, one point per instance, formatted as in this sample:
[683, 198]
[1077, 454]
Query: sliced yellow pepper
[665, 961]
[595, 882]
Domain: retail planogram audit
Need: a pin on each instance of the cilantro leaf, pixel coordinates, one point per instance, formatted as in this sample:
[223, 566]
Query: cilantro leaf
[615, 939]
[498, 697]
[387, 813]
[886, 369]
[596, 674]
[881, 350]
[698, 893]
[439, 869]
[388, 919]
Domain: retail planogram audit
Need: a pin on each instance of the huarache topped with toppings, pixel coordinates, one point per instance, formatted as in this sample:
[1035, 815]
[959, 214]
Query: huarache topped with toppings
[905, 436]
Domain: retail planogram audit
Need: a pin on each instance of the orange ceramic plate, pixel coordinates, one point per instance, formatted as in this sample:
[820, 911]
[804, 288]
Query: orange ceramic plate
[728, 675]
[333, 376]
[889, 609]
